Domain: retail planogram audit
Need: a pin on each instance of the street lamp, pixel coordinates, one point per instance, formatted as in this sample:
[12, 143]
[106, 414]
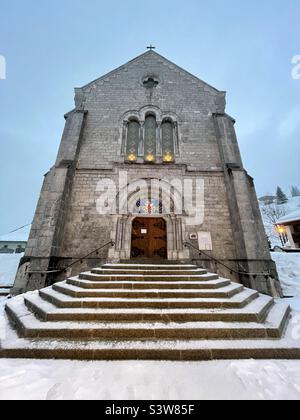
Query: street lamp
[282, 234]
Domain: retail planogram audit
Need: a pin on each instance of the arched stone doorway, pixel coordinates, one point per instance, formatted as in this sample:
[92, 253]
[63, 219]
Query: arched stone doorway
[132, 203]
[149, 239]
[122, 236]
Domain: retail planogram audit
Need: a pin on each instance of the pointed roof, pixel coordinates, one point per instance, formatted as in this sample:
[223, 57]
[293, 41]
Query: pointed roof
[147, 54]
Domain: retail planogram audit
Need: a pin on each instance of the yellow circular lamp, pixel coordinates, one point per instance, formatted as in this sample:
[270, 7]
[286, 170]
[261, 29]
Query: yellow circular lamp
[150, 157]
[132, 157]
[168, 158]
[281, 229]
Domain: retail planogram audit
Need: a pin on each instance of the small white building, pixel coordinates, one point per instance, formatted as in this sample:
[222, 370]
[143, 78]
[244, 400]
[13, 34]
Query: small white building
[289, 229]
[15, 242]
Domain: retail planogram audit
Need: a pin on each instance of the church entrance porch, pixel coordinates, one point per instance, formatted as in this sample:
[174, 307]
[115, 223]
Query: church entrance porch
[149, 238]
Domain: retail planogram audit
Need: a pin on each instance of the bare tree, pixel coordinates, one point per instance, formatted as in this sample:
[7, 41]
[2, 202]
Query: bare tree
[274, 212]
[271, 214]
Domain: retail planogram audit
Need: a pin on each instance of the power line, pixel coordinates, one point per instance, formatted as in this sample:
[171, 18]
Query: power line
[16, 230]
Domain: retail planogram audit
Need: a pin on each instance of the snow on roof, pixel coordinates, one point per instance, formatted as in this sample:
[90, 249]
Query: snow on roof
[292, 217]
[21, 235]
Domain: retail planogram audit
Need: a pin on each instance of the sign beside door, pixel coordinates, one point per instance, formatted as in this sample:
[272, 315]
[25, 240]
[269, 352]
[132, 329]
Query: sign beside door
[205, 241]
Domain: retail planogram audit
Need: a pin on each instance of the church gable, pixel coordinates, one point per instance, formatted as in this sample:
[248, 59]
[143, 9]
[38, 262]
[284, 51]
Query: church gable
[152, 73]
[151, 57]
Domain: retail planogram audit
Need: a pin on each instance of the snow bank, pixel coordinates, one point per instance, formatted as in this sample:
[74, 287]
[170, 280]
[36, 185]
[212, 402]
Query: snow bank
[8, 268]
[2, 304]
[288, 266]
[226, 380]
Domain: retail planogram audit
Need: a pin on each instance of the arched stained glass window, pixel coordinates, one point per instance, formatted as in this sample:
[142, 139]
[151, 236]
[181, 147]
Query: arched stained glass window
[150, 138]
[146, 206]
[168, 142]
[133, 135]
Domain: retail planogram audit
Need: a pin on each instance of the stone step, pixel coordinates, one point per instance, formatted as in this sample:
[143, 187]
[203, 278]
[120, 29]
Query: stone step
[122, 266]
[30, 327]
[148, 312]
[139, 271]
[146, 285]
[78, 292]
[152, 350]
[288, 347]
[62, 300]
[254, 312]
[138, 277]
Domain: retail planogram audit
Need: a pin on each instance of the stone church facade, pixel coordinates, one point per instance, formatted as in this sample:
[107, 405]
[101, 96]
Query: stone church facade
[149, 160]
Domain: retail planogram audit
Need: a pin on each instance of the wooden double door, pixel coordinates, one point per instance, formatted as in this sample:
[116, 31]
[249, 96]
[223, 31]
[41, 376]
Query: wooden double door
[149, 238]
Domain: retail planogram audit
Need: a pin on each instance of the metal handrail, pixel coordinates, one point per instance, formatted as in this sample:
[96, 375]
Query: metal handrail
[232, 270]
[96, 251]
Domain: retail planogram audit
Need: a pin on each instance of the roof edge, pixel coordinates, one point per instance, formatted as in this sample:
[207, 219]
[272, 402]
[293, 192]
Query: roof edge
[158, 55]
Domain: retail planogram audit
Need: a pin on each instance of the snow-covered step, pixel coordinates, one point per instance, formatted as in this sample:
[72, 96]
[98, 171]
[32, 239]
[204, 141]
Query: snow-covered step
[171, 350]
[149, 271]
[94, 276]
[74, 291]
[62, 300]
[254, 312]
[122, 266]
[31, 327]
[123, 311]
[288, 347]
[145, 285]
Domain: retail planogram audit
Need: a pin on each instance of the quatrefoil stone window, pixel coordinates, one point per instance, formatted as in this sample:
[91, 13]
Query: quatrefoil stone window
[150, 82]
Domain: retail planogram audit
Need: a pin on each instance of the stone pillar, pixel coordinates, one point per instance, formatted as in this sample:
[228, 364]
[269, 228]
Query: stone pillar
[251, 244]
[45, 240]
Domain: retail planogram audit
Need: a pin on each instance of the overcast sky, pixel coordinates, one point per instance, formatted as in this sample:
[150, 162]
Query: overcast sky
[52, 46]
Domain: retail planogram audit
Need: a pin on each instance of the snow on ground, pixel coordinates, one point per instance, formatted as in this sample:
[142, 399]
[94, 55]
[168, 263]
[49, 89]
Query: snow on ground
[288, 266]
[8, 268]
[226, 380]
